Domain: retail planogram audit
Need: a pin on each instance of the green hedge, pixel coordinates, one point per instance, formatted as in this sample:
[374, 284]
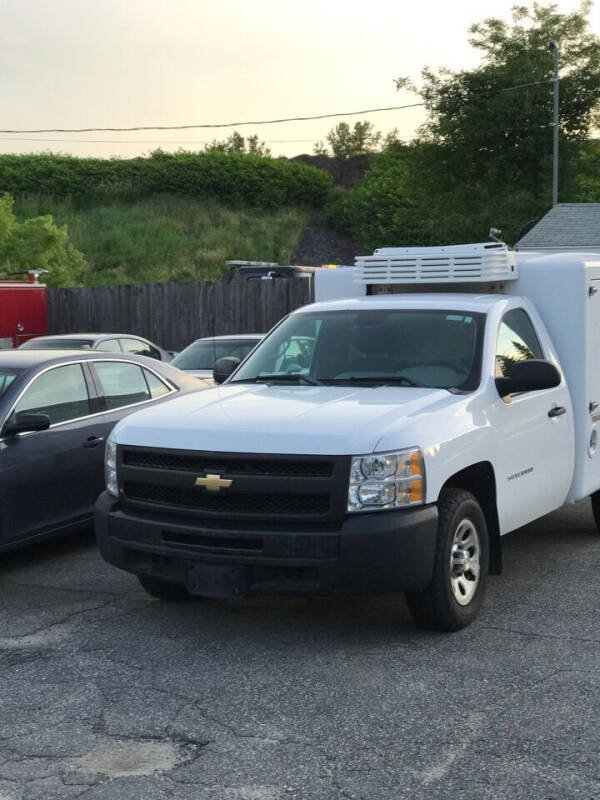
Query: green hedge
[232, 178]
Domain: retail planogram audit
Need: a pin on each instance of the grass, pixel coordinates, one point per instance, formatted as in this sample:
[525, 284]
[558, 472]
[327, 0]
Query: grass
[165, 237]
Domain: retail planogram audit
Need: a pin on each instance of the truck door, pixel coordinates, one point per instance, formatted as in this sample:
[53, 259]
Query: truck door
[534, 430]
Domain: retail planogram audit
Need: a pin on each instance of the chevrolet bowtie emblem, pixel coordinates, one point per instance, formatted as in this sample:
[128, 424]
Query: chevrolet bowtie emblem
[213, 483]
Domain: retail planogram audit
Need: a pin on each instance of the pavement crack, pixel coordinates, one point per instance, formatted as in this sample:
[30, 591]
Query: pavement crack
[70, 589]
[533, 634]
[11, 641]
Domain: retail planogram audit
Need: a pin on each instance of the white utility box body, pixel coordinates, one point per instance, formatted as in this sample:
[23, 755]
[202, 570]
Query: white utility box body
[565, 289]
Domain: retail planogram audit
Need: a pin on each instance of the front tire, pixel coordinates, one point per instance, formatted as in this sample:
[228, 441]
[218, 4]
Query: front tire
[168, 592]
[453, 598]
[595, 498]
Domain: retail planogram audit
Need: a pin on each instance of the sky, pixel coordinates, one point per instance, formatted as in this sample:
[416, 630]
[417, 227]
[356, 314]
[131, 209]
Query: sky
[123, 63]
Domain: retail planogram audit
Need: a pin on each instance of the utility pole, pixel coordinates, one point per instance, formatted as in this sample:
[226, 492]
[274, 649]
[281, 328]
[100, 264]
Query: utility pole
[553, 46]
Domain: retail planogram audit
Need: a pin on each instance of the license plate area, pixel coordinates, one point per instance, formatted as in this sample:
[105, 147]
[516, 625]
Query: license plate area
[217, 580]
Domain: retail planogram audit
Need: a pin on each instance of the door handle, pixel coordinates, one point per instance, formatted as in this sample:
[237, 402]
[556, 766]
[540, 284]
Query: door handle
[557, 411]
[93, 441]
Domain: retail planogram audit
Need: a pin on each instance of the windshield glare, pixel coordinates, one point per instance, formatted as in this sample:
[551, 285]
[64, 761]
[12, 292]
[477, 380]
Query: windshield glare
[440, 349]
[203, 355]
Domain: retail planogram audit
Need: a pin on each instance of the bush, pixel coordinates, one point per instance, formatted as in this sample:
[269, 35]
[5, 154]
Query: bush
[411, 197]
[382, 210]
[231, 178]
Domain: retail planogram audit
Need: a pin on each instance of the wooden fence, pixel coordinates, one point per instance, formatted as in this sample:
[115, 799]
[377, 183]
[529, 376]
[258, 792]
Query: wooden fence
[174, 314]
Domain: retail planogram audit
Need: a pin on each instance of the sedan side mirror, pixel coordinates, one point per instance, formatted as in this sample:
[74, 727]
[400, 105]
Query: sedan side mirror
[24, 421]
[224, 368]
[529, 376]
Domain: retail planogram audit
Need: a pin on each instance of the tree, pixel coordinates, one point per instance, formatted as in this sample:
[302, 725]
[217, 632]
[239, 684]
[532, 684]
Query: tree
[346, 142]
[495, 120]
[236, 143]
[38, 243]
[484, 156]
[587, 172]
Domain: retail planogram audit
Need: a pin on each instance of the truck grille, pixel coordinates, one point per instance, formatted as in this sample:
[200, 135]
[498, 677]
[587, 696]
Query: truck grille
[264, 504]
[263, 487]
[226, 463]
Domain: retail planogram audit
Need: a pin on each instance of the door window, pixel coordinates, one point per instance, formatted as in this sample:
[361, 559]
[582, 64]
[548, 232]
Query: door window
[517, 341]
[7, 376]
[61, 393]
[156, 386]
[122, 384]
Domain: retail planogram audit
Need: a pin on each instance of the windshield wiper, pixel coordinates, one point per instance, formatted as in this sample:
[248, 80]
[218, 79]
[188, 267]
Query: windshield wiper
[383, 380]
[293, 377]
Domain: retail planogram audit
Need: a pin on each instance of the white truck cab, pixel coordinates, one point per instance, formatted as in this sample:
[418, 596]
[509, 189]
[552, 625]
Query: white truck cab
[382, 439]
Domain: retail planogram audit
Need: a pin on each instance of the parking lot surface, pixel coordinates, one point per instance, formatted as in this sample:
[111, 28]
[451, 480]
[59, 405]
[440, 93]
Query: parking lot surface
[107, 693]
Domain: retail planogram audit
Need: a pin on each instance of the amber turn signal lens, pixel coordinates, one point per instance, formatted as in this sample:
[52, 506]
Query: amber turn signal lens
[415, 463]
[416, 492]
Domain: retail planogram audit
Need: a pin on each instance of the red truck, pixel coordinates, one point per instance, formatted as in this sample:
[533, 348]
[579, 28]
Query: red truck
[22, 310]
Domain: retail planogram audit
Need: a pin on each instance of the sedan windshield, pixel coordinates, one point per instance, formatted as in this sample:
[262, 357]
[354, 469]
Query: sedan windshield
[373, 347]
[204, 354]
[7, 376]
[57, 344]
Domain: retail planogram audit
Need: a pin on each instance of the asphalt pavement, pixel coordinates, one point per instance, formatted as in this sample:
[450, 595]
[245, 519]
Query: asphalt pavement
[107, 693]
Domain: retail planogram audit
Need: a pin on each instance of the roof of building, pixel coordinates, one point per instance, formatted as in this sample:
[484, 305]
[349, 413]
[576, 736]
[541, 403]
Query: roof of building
[567, 226]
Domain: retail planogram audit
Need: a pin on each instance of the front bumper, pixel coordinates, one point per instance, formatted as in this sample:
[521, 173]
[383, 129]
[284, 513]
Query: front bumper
[377, 553]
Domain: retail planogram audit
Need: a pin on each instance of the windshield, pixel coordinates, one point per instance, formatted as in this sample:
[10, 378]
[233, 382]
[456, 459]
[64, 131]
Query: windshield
[57, 344]
[7, 376]
[439, 349]
[203, 355]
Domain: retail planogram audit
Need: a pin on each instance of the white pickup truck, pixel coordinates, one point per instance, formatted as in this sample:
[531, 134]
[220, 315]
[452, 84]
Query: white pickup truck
[382, 441]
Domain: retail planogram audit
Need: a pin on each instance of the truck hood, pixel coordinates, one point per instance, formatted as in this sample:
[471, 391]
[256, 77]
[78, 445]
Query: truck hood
[258, 418]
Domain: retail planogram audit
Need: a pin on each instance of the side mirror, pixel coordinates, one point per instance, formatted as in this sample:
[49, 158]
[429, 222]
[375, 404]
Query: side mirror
[529, 376]
[224, 368]
[24, 421]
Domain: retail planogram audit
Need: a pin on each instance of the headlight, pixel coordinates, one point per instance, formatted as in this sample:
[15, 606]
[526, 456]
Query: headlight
[110, 467]
[387, 480]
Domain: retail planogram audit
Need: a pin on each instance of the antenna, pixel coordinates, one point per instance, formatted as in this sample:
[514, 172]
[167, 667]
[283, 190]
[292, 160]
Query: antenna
[553, 47]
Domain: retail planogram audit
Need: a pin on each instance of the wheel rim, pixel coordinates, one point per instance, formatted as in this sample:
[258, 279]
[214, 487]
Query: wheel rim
[464, 562]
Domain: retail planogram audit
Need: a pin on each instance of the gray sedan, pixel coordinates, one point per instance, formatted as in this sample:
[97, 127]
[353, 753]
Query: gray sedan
[106, 342]
[56, 410]
[199, 357]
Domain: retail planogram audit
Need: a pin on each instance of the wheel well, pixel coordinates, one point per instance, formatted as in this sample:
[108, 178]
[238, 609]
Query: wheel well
[479, 479]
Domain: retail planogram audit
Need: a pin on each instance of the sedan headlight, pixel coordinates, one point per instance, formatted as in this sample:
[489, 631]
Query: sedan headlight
[110, 467]
[387, 480]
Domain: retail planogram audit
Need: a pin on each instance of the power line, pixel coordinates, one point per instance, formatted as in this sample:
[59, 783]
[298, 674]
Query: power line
[524, 85]
[157, 141]
[214, 125]
[241, 124]
[142, 141]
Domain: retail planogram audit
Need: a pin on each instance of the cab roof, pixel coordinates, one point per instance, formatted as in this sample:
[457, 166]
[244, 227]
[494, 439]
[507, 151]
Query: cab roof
[443, 301]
